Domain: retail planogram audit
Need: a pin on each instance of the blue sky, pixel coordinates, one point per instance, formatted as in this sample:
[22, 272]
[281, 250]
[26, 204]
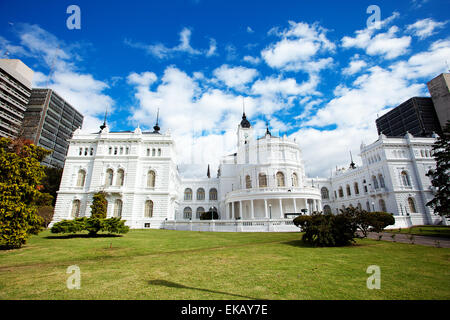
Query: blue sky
[313, 69]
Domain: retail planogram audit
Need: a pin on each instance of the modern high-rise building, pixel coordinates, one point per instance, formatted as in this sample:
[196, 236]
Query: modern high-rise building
[15, 89]
[416, 116]
[440, 93]
[49, 122]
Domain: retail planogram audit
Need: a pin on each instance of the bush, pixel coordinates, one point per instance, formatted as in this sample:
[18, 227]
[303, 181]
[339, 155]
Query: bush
[380, 220]
[327, 230]
[92, 225]
[339, 230]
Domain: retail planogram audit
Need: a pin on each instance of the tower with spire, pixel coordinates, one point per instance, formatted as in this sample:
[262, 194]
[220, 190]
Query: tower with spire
[245, 129]
[156, 127]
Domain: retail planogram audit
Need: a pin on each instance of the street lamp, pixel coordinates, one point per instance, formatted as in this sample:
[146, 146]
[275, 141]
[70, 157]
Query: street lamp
[212, 213]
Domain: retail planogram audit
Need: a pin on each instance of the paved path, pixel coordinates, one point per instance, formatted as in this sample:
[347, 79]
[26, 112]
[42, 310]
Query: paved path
[404, 238]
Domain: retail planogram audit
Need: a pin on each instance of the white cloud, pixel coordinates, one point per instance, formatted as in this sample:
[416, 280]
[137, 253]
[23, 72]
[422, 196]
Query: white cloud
[385, 44]
[81, 90]
[161, 51]
[252, 60]
[298, 48]
[425, 27]
[356, 64]
[235, 77]
[250, 30]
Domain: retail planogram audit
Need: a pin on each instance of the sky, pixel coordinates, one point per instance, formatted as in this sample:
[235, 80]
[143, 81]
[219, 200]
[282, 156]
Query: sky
[319, 72]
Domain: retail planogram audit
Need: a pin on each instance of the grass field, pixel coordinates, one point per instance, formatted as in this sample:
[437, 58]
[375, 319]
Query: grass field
[164, 264]
[432, 231]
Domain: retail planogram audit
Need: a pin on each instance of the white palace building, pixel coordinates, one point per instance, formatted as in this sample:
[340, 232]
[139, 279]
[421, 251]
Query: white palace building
[261, 187]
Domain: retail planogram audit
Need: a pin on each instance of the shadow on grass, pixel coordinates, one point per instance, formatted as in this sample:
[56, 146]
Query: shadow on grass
[170, 284]
[300, 243]
[75, 235]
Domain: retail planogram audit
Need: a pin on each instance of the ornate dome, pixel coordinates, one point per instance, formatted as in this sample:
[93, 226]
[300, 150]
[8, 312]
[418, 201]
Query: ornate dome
[244, 122]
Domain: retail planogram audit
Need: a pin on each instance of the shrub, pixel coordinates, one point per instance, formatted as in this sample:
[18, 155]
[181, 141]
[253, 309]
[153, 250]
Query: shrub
[326, 230]
[380, 220]
[92, 225]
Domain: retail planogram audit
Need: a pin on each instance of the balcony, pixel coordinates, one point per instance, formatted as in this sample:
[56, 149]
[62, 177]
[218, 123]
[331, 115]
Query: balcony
[268, 190]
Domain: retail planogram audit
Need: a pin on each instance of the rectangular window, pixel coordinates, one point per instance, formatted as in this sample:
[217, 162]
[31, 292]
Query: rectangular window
[159, 152]
[148, 152]
[110, 150]
[127, 150]
[121, 150]
[115, 150]
[153, 152]
[81, 152]
[92, 152]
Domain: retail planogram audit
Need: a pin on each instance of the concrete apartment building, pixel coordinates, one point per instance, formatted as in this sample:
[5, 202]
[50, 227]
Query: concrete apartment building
[440, 93]
[15, 90]
[416, 116]
[49, 122]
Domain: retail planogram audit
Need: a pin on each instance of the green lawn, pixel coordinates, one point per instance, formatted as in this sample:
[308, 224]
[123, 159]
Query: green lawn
[432, 231]
[164, 264]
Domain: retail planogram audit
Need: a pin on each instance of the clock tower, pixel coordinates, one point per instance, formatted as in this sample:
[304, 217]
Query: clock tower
[244, 132]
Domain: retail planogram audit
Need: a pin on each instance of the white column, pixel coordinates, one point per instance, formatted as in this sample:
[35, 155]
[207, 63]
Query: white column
[240, 209]
[281, 209]
[266, 213]
[295, 206]
[253, 210]
[232, 210]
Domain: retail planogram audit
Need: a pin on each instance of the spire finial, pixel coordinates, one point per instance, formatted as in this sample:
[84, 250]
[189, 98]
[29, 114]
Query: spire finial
[156, 127]
[243, 105]
[103, 126]
[267, 128]
[352, 164]
[208, 173]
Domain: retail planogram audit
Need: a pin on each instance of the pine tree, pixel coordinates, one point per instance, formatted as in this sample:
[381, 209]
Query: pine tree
[440, 177]
[99, 205]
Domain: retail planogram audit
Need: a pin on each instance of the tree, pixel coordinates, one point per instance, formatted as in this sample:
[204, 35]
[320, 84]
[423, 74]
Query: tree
[20, 177]
[208, 214]
[99, 205]
[51, 181]
[440, 177]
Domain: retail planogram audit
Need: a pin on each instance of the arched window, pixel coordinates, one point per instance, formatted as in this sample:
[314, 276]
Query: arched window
[151, 178]
[200, 194]
[294, 180]
[81, 178]
[213, 194]
[412, 205]
[248, 182]
[382, 205]
[199, 212]
[368, 206]
[327, 209]
[381, 179]
[187, 194]
[120, 177]
[349, 192]
[325, 193]
[118, 208]
[280, 179]
[76, 205]
[109, 177]
[375, 182]
[405, 179]
[356, 187]
[341, 192]
[187, 213]
[148, 209]
[262, 180]
[359, 206]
